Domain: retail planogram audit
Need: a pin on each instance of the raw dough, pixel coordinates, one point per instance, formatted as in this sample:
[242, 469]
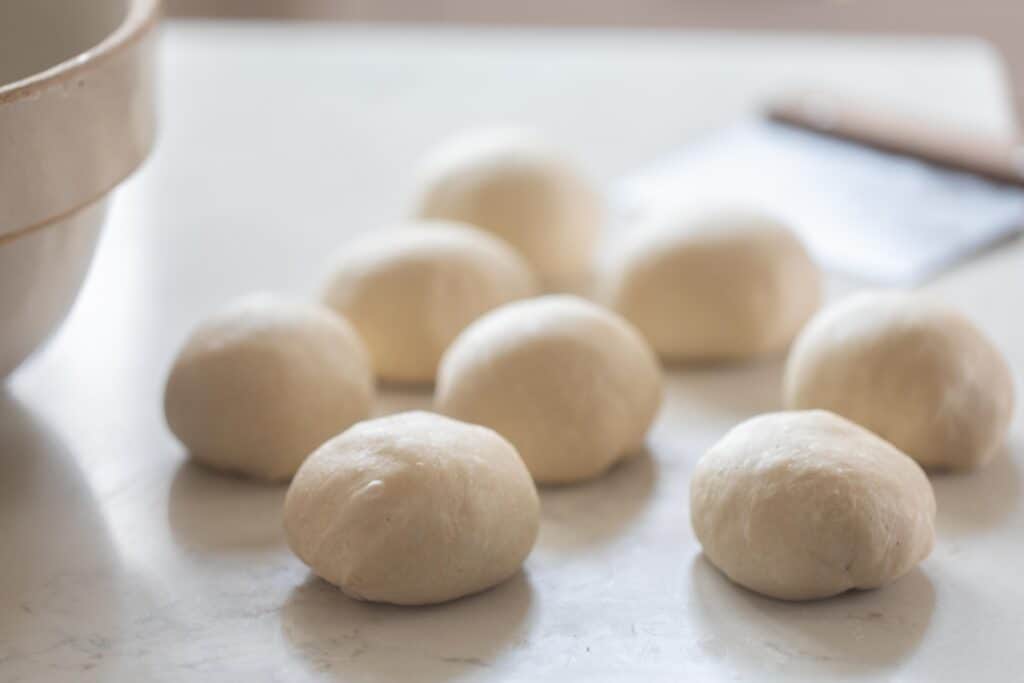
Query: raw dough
[413, 508]
[263, 382]
[910, 369]
[805, 505]
[572, 385]
[513, 184]
[716, 286]
[410, 291]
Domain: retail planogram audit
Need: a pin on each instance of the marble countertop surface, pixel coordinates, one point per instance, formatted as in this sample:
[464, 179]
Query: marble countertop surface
[122, 562]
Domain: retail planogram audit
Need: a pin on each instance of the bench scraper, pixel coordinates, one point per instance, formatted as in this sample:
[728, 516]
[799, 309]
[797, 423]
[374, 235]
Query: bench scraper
[887, 201]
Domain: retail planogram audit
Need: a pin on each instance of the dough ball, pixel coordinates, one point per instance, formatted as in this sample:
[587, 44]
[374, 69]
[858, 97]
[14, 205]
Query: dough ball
[260, 384]
[412, 509]
[512, 184]
[716, 286]
[911, 370]
[410, 291]
[573, 386]
[805, 505]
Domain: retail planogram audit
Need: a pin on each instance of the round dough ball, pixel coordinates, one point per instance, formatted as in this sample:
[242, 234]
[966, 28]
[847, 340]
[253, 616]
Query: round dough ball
[911, 370]
[573, 386]
[410, 291]
[512, 184]
[806, 505]
[263, 382]
[716, 287]
[412, 509]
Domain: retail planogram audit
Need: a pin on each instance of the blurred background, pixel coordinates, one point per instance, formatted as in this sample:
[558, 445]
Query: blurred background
[1001, 22]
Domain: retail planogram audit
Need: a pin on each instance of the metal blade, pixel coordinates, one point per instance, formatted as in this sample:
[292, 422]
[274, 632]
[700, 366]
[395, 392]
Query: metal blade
[881, 217]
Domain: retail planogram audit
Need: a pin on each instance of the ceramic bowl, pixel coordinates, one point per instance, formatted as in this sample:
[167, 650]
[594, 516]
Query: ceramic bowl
[76, 118]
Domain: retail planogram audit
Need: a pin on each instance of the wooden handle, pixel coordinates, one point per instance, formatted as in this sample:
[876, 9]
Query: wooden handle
[992, 158]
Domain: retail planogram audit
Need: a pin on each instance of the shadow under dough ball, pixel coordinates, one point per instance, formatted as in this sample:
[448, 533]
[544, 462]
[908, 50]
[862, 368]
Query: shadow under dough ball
[512, 183]
[804, 505]
[409, 291]
[412, 509]
[717, 286]
[573, 386]
[910, 369]
[263, 382]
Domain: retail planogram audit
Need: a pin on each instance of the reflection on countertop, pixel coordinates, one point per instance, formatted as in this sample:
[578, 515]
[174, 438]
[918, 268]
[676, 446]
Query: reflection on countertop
[354, 641]
[854, 633]
[60, 583]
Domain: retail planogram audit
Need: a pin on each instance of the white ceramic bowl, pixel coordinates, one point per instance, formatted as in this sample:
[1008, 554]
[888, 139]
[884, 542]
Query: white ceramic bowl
[76, 118]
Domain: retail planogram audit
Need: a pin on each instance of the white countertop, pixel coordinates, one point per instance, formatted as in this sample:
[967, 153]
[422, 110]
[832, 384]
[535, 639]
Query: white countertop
[122, 563]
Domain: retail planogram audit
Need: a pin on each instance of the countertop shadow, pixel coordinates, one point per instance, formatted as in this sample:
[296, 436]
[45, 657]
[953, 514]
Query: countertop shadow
[973, 501]
[352, 641]
[739, 390]
[397, 398]
[856, 633]
[577, 516]
[210, 512]
[61, 581]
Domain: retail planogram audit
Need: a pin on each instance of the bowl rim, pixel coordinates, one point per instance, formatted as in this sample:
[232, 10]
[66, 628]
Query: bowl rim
[140, 17]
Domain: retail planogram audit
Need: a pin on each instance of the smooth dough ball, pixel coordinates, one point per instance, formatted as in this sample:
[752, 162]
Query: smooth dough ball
[412, 509]
[263, 382]
[573, 386]
[512, 184]
[410, 291]
[716, 287]
[911, 370]
[805, 505]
